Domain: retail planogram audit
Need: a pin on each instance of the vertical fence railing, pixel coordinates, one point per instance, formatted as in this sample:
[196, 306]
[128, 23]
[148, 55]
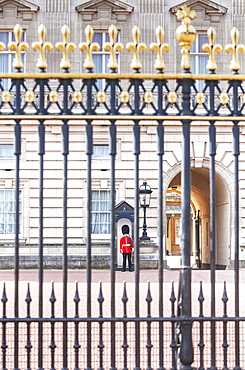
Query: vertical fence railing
[136, 130]
[160, 152]
[17, 153]
[41, 152]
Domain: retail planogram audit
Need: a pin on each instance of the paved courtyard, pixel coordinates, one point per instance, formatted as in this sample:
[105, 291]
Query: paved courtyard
[104, 277]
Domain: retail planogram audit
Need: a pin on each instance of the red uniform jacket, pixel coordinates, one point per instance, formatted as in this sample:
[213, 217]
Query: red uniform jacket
[125, 244]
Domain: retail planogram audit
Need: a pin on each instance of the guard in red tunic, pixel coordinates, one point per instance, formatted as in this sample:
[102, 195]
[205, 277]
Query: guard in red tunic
[126, 247]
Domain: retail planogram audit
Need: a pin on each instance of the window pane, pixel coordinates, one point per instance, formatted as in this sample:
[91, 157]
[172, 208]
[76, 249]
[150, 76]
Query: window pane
[7, 212]
[101, 151]
[4, 38]
[193, 64]
[98, 38]
[203, 39]
[6, 151]
[193, 47]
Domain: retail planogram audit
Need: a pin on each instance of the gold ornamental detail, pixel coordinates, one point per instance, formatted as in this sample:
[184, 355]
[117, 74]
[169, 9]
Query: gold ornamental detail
[53, 96]
[65, 47]
[5, 96]
[42, 46]
[172, 97]
[101, 96]
[211, 48]
[223, 98]
[89, 47]
[112, 47]
[148, 97]
[136, 46]
[186, 34]
[243, 98]
[159, 47]
[124, 97]
[200, 98]
[18, 46]
[77, 96]
[234, 48]
[29, 95]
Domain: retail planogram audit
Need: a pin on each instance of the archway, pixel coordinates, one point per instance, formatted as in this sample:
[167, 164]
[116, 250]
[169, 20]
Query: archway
[200, 201]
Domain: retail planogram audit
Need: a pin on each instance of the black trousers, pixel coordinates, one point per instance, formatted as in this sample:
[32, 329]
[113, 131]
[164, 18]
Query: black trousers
[125, 255]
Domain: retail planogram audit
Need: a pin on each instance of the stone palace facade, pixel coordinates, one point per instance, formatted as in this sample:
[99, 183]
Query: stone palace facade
[100, 14]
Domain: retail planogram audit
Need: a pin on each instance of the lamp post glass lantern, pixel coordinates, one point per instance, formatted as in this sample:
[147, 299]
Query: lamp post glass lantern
[145, 197]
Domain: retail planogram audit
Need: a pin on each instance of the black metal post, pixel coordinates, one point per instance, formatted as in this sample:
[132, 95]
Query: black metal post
[17, 153]
[101, 345]
[149, 345]
[160, 152]
[201, 344]
[41, 152]
[136, 241]
[125, 344]
[173, 342]
[28, 343]
[89, 152]
[212, 148]
[236, 153]
[76, 344]
[113, 152]
[225, 345]
[65, 152]
[52, 346]
[186, 349]
[4, 346]
[197, 239]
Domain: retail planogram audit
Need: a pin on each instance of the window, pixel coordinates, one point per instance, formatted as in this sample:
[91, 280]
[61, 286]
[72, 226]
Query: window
[7, 212]
[100, 212]
[101, 57]
[7, 56]
[6, 151]
[198, 58]
[101, 152]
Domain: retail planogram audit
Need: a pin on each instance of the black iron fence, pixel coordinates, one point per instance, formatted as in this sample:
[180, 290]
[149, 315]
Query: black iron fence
[120, 342]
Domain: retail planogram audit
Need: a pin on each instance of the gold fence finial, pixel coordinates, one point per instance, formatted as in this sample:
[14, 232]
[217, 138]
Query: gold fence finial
[159, 47]
[211, 48]
[234, 48]
[136, 47]
[18, 45]
[65, 46]
[112, 47]
[186, 34]
[89, 46]
[42, 46]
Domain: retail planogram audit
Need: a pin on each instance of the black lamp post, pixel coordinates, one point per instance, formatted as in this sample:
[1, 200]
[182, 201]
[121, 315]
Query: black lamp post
[145, 196]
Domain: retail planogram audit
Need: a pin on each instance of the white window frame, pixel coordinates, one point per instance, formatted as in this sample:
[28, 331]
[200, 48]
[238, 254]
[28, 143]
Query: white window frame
[10, 53]
[7, 158]
[101, 157]
[104, 53]
[12, 235]
[198, 54]
[100, 235]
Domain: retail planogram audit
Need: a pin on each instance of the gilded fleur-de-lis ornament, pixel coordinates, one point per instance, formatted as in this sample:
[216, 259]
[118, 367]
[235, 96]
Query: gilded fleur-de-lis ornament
[42, 46]
[18, 46]
[136, 46]
[65, 46]
[186, 34]
[234, 48]
[89, 47]
[211, 48]
[159, 47]
[112, 47]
